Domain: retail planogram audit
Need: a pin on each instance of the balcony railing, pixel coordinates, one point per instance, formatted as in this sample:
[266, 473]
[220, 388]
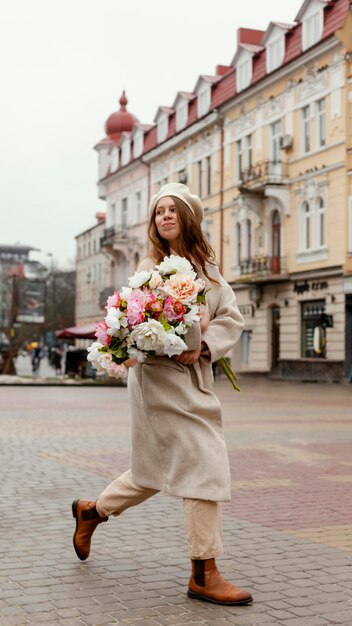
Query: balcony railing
[263, 266]
[114, 234]
[256, 177]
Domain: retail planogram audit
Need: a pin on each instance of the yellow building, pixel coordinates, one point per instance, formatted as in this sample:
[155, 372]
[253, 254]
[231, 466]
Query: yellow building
[267, 143]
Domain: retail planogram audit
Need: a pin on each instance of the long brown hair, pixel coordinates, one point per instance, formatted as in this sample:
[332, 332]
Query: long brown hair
[191, 244]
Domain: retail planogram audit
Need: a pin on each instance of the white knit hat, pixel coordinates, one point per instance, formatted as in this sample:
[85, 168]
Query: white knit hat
[178, 190]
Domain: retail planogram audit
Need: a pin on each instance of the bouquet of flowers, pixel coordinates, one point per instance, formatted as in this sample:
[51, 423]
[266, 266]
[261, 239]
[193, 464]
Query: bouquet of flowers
[150, 317]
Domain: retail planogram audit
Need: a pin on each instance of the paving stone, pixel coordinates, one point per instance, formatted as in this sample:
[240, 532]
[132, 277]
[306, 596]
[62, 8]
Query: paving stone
[290, 546]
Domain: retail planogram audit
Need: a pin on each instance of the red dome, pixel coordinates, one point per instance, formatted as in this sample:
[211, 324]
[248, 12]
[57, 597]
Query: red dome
[121, 121]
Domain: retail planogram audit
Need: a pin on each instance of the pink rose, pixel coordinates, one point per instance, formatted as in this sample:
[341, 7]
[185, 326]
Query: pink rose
[173, 310]
[102, 333]
[181, 287]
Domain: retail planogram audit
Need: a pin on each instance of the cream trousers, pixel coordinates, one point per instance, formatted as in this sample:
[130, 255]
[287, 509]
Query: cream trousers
[202, 517]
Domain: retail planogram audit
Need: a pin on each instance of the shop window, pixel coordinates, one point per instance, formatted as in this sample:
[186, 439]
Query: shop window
[313, 329]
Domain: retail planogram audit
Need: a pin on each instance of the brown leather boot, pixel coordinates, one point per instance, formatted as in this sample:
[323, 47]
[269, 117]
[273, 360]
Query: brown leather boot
[87, 519]
[208, 585]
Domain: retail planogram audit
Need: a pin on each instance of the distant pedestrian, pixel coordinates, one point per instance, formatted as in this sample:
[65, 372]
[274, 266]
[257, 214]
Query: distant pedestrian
[36, 357]
[56, 357]
[178, 445]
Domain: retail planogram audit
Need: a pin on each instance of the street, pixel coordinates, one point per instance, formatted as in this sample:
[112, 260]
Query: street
[287, 531]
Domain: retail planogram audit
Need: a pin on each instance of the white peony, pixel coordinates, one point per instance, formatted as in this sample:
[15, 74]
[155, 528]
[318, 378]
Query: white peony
[175, 264]
[181, 329]
[173, 344]
[155, 280]
[148, 335]
[116, 320]
[138, 279]
[192, 315]
[125, 293]
[93, 351]
[133, 353]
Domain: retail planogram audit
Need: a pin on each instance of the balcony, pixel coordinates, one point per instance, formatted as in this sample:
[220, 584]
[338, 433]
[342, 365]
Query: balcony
[256, 177]
[115, 238]
[263, 269]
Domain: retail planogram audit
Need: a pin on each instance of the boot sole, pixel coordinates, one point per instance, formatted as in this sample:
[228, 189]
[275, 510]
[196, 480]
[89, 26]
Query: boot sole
[75, 515]
[198, 596]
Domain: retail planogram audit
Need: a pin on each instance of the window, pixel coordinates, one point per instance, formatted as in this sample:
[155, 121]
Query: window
[321, 122]
[313, 334]
[275, 52]
[182, 176]
[138, 206]
[199, 176]
[275, 131]
[162, 128]
[320, 222]
[239, 159]
[306, 128]
[249, 151]
[238, 243]
[306, 225]
[243, 74]
[138, 144]
[312, 28]
[204, 100]
[124, 215]
[249, 238]
[208, 171]
[181, 115]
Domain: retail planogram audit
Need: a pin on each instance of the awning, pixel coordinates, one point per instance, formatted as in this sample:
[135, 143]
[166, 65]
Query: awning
[77, 332]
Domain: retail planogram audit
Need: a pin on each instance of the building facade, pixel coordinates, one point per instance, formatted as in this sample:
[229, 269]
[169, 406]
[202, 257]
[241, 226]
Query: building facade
[267, 144]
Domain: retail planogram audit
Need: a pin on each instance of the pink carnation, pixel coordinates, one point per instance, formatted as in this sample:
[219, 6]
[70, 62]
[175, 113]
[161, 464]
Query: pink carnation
[113, 301]
[173, 309]
[102, 334]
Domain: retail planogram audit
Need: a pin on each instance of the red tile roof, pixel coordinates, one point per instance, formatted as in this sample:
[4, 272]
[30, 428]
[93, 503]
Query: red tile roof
[224, 84]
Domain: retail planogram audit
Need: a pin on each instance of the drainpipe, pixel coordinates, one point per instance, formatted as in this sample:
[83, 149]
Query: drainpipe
[148, 178]
[220, 122]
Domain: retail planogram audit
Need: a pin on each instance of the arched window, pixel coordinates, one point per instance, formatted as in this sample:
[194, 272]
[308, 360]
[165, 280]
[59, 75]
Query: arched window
[320, 222]
[306, 217]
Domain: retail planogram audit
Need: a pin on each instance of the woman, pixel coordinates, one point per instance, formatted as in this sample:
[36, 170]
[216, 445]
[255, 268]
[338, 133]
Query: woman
[178, 445]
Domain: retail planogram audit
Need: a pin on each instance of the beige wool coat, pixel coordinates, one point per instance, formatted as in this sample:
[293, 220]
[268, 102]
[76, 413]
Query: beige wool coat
[178, 445]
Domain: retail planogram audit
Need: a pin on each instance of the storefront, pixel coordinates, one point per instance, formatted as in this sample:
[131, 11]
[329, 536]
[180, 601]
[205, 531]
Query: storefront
[295, 329]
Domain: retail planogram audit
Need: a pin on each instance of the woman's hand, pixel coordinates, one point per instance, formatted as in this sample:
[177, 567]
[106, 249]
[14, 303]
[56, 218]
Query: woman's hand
[130, 363]
[188, 357]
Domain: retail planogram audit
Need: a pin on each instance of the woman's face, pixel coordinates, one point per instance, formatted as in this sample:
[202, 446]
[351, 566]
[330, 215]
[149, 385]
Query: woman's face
[166, 220]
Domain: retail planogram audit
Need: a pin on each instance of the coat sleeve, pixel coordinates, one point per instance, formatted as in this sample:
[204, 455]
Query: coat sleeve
[226, 327]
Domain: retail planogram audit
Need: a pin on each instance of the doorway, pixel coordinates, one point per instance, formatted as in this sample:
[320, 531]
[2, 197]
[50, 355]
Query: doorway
[275, 336]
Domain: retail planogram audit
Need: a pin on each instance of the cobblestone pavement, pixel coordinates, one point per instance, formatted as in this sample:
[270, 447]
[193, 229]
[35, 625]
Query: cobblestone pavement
[287, 531]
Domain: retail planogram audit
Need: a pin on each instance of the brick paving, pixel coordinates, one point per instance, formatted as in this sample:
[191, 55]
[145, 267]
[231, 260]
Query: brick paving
[287, 530]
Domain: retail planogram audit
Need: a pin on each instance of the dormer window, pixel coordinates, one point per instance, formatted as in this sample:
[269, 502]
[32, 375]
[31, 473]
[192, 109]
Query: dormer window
[181, 114]
[312, 17]
[244, 73]
[162, 128]
[126, 152]
[275, 52]
[204, 99]
[138, 144]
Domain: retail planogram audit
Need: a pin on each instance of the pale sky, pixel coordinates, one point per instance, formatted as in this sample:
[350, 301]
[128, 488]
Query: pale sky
[63, 66]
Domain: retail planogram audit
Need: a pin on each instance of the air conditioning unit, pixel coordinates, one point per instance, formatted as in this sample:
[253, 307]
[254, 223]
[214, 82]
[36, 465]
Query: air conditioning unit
[286, 142]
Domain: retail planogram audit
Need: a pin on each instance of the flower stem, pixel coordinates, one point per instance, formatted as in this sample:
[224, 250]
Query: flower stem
[227, 369]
